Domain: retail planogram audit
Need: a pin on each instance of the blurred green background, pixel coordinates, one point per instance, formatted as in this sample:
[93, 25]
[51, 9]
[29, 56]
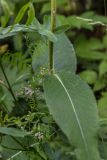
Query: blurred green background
[87, 32]
[87, 20]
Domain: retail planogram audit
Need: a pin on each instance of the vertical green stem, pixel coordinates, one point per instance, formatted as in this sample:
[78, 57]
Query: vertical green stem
[51, 44]
[9, 86]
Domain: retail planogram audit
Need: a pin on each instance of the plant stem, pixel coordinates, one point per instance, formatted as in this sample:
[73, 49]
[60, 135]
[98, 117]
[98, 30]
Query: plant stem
[9, 86]
[51, 44]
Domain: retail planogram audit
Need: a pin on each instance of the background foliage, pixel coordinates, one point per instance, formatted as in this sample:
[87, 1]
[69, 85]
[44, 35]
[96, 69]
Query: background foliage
[85, 24]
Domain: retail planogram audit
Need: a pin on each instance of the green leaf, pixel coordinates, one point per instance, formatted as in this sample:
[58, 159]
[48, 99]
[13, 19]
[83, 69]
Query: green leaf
[7, 32]
[99, 84]
[8, 145]
[42, 30]
[16, 78]
[89, 76]
[64, 57]
[89, 48]
[103, 150]
[12, 148]
[105, 40]
[48, 34]
[31, 14]
[7, 13]
[79, 22]
[21, 13]
[13, 132]
[102, 106]
[73, 106]
[7, 100]
[48, 150]
[103, 68]
[61, 29]
[104, 94]
[13, 30]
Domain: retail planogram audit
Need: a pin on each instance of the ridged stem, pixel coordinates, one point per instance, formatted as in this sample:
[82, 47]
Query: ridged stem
[51, 44]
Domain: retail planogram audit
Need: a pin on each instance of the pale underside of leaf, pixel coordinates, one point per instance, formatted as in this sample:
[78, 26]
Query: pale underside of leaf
[73, 106]
[75, 112]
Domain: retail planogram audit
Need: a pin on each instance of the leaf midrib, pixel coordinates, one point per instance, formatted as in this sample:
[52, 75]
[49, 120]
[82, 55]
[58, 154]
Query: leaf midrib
[75, 113]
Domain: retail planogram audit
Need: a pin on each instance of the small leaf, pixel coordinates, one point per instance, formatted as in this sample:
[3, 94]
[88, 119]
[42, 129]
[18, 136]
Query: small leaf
[99, 84]
[7, 12]
[31, 14]
[12, 150]
[103, 68]
[61, 29]
[89, 76]
[16, 79]
[7, 32]
[13, 132]
[91, 50]
[73, 106]
[21, 13]
[21, 78]
[102, 106]
[48, 150]
[13, 30]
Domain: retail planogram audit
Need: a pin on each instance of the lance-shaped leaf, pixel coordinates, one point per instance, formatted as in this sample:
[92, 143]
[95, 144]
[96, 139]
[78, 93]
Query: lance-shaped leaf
[73, 106]
[13, 132]
[13, 30]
